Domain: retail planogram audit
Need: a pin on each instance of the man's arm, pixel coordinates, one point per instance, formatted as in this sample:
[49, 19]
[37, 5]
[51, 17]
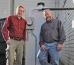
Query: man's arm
[5, 29]
[41, 42]
[61, 33]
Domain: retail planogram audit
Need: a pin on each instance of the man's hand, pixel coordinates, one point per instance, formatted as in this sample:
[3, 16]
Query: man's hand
[42, 47]
[8, 40]
[59, 47]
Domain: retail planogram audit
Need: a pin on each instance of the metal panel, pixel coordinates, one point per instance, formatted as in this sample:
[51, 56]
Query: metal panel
[4, 8]
[67, 54]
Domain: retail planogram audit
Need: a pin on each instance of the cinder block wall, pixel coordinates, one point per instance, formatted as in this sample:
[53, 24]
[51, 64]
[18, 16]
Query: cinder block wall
[67, 17]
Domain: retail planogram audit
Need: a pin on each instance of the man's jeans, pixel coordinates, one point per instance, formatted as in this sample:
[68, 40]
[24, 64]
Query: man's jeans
[51, 48]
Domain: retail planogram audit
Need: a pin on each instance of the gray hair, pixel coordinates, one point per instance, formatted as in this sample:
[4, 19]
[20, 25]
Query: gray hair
[46, 10]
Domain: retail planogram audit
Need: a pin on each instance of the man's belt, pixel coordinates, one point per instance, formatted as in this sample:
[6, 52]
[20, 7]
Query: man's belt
[52, 41]
[18, 39]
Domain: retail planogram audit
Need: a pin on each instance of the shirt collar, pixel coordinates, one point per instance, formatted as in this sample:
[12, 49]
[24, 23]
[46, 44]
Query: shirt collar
[17, 17]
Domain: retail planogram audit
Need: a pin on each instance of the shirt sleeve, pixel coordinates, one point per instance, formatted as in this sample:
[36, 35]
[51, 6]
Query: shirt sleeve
[61, 32]
[41, 42]
[5, 29]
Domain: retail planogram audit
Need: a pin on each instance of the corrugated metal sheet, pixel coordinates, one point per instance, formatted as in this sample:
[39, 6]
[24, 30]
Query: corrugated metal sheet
[4, 8]
[67, 54]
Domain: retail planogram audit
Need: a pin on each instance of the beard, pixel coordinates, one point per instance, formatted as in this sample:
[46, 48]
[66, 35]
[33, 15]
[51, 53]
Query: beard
[48, 20]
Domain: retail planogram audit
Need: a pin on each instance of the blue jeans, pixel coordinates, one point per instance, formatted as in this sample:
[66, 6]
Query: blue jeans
[51, 48]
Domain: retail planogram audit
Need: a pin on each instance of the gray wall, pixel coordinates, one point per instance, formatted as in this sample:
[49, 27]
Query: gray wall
[67, 54]
[4, 8]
